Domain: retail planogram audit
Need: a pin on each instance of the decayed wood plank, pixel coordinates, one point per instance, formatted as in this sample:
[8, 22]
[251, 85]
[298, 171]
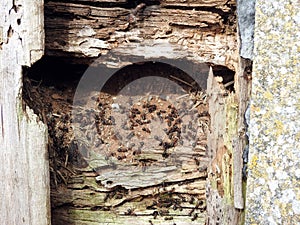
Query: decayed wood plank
[219, 4]
[221, 187]
[19, 23]
[108, 218]
[129, 178]
[94, 191]
[86, 200]
[200, 31]
[117, 18]
[83, 30]
[177, 183]
[244, 91]
[24, 177]
[85, 190]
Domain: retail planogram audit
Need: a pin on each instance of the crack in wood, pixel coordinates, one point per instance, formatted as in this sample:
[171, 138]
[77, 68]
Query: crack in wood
[178, 25]
[2, 120]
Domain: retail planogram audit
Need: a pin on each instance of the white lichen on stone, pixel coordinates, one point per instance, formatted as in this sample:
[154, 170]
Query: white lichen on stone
[273, 186]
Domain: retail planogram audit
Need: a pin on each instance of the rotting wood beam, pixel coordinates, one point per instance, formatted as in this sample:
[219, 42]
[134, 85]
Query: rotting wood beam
[84, 30]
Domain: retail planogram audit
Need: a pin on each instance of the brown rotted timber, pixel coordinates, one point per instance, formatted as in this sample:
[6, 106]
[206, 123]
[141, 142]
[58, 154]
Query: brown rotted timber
[202, 31]
[206, 32]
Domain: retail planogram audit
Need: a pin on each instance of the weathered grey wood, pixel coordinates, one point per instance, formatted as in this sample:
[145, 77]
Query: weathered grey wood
[227, 142]
[24, 178]
[239, 143]
[220, 4]
[223, 109]
[194, 31]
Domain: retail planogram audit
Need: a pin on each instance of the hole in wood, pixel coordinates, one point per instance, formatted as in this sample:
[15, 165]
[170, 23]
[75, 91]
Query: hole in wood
[90, 183]
[139, 171]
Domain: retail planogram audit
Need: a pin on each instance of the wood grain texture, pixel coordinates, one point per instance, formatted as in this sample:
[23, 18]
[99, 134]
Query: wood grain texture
[86, 200]
[199, 31]
[244, 91]
[172, 187]
[221, 187]
[204, 32]
[147, 182]
[24, 177]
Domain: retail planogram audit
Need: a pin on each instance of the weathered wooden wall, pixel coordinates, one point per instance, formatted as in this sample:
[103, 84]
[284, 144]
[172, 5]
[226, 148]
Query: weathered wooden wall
[115, 31]
[203, 31]
[226, 143]
[24, 177]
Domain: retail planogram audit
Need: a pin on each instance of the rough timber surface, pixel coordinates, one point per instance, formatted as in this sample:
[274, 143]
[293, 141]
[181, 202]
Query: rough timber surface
[24, 177]
[223, 109]
[197, 31]
[204, 31]
[150, 184]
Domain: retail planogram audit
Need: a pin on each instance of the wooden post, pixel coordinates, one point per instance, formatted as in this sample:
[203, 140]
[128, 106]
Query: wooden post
[24, 177]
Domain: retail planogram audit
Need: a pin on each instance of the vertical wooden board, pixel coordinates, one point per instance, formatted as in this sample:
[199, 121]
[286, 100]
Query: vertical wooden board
[243, 81]
[32, 23]
[24, 178]
[34, 138]
[223, 109]
[24, 165]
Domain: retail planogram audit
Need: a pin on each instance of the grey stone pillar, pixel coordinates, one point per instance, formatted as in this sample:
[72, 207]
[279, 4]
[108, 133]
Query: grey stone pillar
[273, 186]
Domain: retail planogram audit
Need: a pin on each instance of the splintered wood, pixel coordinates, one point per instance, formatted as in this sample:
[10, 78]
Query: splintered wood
[119, 155]
[143, 140]
[147, 145]
[136, 151]
[203, 31]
